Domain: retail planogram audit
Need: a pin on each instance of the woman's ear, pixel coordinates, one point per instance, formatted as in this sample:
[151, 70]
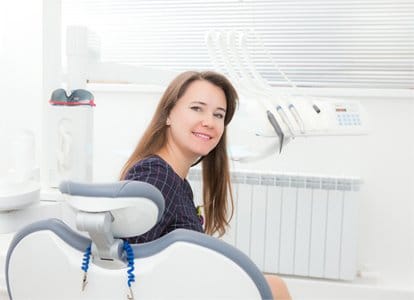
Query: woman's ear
[168, 122]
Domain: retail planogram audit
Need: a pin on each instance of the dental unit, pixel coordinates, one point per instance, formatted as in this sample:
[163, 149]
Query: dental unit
[288, 116]
[80, 234]
[108, 212]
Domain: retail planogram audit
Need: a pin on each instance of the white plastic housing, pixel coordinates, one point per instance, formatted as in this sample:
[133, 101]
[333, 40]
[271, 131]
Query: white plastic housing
[180, 271]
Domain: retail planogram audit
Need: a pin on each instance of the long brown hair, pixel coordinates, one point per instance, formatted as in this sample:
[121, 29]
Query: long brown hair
[216, 171]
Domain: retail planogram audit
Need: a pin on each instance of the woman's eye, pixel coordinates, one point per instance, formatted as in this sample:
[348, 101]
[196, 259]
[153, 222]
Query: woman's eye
[196, 108]
[219, 116]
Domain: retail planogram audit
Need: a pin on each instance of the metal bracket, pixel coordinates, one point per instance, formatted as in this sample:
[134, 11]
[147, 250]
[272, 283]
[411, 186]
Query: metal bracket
[106, 251]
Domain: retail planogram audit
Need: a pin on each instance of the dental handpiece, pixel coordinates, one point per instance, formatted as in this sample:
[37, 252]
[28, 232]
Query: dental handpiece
[297, 117]
[277, 128]
[285, 119]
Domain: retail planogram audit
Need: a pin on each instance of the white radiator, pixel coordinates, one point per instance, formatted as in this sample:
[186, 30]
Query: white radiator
[294, 224]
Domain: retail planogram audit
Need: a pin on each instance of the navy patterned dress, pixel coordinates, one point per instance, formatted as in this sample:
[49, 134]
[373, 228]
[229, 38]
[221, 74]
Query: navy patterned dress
[180, 211]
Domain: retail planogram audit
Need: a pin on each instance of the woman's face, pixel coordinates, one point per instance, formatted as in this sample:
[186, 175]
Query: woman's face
[196, 122]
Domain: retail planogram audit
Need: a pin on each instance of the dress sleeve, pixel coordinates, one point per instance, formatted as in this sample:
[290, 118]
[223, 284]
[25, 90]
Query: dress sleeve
[157, 174]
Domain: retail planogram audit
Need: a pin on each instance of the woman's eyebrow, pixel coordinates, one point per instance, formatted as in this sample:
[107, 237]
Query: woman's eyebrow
[198, 102]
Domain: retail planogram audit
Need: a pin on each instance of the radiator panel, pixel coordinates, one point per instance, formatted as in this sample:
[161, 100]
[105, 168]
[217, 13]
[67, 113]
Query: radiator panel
[294, 224]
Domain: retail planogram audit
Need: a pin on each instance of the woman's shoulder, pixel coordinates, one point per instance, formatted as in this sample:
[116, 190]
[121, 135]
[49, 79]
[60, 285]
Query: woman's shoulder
[150, 165]
[154, 170]
[153, 160]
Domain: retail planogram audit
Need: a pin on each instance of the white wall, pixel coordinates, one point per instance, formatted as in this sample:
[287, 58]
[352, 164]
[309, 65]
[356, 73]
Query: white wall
[119, 121]
[21, 65]
[383, 160]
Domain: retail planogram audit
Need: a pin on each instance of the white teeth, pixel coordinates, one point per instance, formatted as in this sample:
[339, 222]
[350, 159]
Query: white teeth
[200, 135]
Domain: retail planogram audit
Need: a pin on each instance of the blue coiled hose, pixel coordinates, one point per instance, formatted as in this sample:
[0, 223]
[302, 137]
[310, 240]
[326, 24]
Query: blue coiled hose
[130, 259]
[86, 259]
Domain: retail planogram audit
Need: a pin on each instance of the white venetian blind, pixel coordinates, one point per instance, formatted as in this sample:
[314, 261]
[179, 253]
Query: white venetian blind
[317, 43]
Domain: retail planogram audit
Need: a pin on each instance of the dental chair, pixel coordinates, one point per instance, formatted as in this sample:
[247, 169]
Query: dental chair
[50, 260]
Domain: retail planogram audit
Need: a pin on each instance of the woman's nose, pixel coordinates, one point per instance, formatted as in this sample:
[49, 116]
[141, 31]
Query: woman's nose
[207, 121]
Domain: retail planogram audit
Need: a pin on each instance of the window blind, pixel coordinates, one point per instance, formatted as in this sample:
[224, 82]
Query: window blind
[317, 43]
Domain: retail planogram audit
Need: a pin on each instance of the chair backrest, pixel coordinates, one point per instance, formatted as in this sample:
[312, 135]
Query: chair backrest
[45, 258]
[134, 206]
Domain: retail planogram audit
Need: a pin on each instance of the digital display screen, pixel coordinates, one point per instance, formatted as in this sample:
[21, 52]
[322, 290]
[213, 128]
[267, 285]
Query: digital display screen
[340, 109]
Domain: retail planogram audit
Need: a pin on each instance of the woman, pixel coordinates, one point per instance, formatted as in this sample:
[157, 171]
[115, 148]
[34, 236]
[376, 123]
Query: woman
[189, 126]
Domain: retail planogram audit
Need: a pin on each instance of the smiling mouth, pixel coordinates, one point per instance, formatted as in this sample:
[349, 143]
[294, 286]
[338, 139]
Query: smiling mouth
[202, 136]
